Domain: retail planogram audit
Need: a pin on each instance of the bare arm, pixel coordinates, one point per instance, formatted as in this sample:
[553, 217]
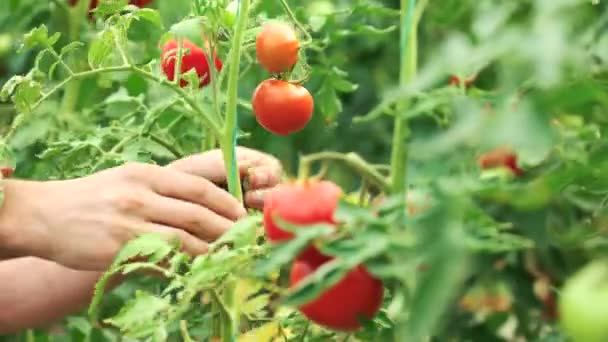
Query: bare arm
[35, 292]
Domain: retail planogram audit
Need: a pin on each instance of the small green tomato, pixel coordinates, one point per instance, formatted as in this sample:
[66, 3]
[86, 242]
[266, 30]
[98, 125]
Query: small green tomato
[583, 304]
[229, 17]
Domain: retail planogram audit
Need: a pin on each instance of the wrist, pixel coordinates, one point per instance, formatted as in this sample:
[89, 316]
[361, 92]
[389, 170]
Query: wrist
[16, 238]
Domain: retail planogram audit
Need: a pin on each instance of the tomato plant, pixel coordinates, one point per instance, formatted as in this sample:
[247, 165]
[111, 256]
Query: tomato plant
[399, 200]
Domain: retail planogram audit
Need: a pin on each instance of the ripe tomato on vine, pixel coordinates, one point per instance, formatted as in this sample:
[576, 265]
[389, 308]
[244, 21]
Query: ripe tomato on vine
[277, 47]
[282, 107]
[342, 306]
[193, 57]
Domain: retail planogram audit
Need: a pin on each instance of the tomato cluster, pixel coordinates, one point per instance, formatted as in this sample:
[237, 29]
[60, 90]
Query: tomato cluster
[357, 295]
[193, 57]
[279, 106]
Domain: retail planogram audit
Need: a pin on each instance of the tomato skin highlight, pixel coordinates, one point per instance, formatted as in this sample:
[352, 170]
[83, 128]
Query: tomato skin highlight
[282, 107]
[193, 57]
[277, 47]
[500, 157]
[339, 307]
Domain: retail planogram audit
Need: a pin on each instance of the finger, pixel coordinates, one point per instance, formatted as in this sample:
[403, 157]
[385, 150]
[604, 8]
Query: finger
[188, 243]
[255, 199]
[195, 219]
[211, 164]
[264, 177]
[197, 190]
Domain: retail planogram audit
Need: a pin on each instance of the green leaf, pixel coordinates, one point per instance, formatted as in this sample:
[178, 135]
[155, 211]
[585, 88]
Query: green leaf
[328, 102]
[27, 93]
[141, 316]
[287, 251]
[316, 283]
[108, 7]
[71, 47]
[39, 36]
[443, 243]
[190, 29]
[153, 245]
[101, 49]
[242, 233]
[9, 87]
[150, 15]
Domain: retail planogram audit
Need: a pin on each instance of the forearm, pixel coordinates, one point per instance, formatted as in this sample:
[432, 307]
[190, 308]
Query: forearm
[36, 292]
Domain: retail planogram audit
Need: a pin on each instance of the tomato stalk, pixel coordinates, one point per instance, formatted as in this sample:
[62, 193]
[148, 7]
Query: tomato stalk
[72, 90]
[295, 20]
[407, 73]
[228, 138]
[230, 321]
[370, 175]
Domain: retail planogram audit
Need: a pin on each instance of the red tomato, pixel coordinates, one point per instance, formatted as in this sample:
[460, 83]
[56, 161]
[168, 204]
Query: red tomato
[300, 203]
[194, 58]
[340, 307]
[282, 107]
[7, 171]
[500, 157]
[277, 47]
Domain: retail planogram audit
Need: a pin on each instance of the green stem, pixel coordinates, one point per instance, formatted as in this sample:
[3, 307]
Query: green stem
[184, 96]
[409, 56]
[228, 138]
[70, 97]
[295, 20]
[354, 161]
[183, 327]
[230, 324]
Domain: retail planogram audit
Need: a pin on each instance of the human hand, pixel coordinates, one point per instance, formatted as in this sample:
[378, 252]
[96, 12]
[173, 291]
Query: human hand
[261, 171]
[82, 223]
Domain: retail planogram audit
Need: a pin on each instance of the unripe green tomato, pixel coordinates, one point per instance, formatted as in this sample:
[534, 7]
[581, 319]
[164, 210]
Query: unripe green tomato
[229, 17]
[583, 304]
[322, 8]
[6, 44]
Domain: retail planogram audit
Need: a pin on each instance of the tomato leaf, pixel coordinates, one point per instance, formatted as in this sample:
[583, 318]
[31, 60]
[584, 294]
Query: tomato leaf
[40, 36]
[141, 316]
[285, 252]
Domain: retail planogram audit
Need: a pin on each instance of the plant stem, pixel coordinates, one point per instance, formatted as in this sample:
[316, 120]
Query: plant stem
[184, 96]
[366, 170]
[409, 55]
[70, 97]
[295, 20]
[230, 324]
[228, 138]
